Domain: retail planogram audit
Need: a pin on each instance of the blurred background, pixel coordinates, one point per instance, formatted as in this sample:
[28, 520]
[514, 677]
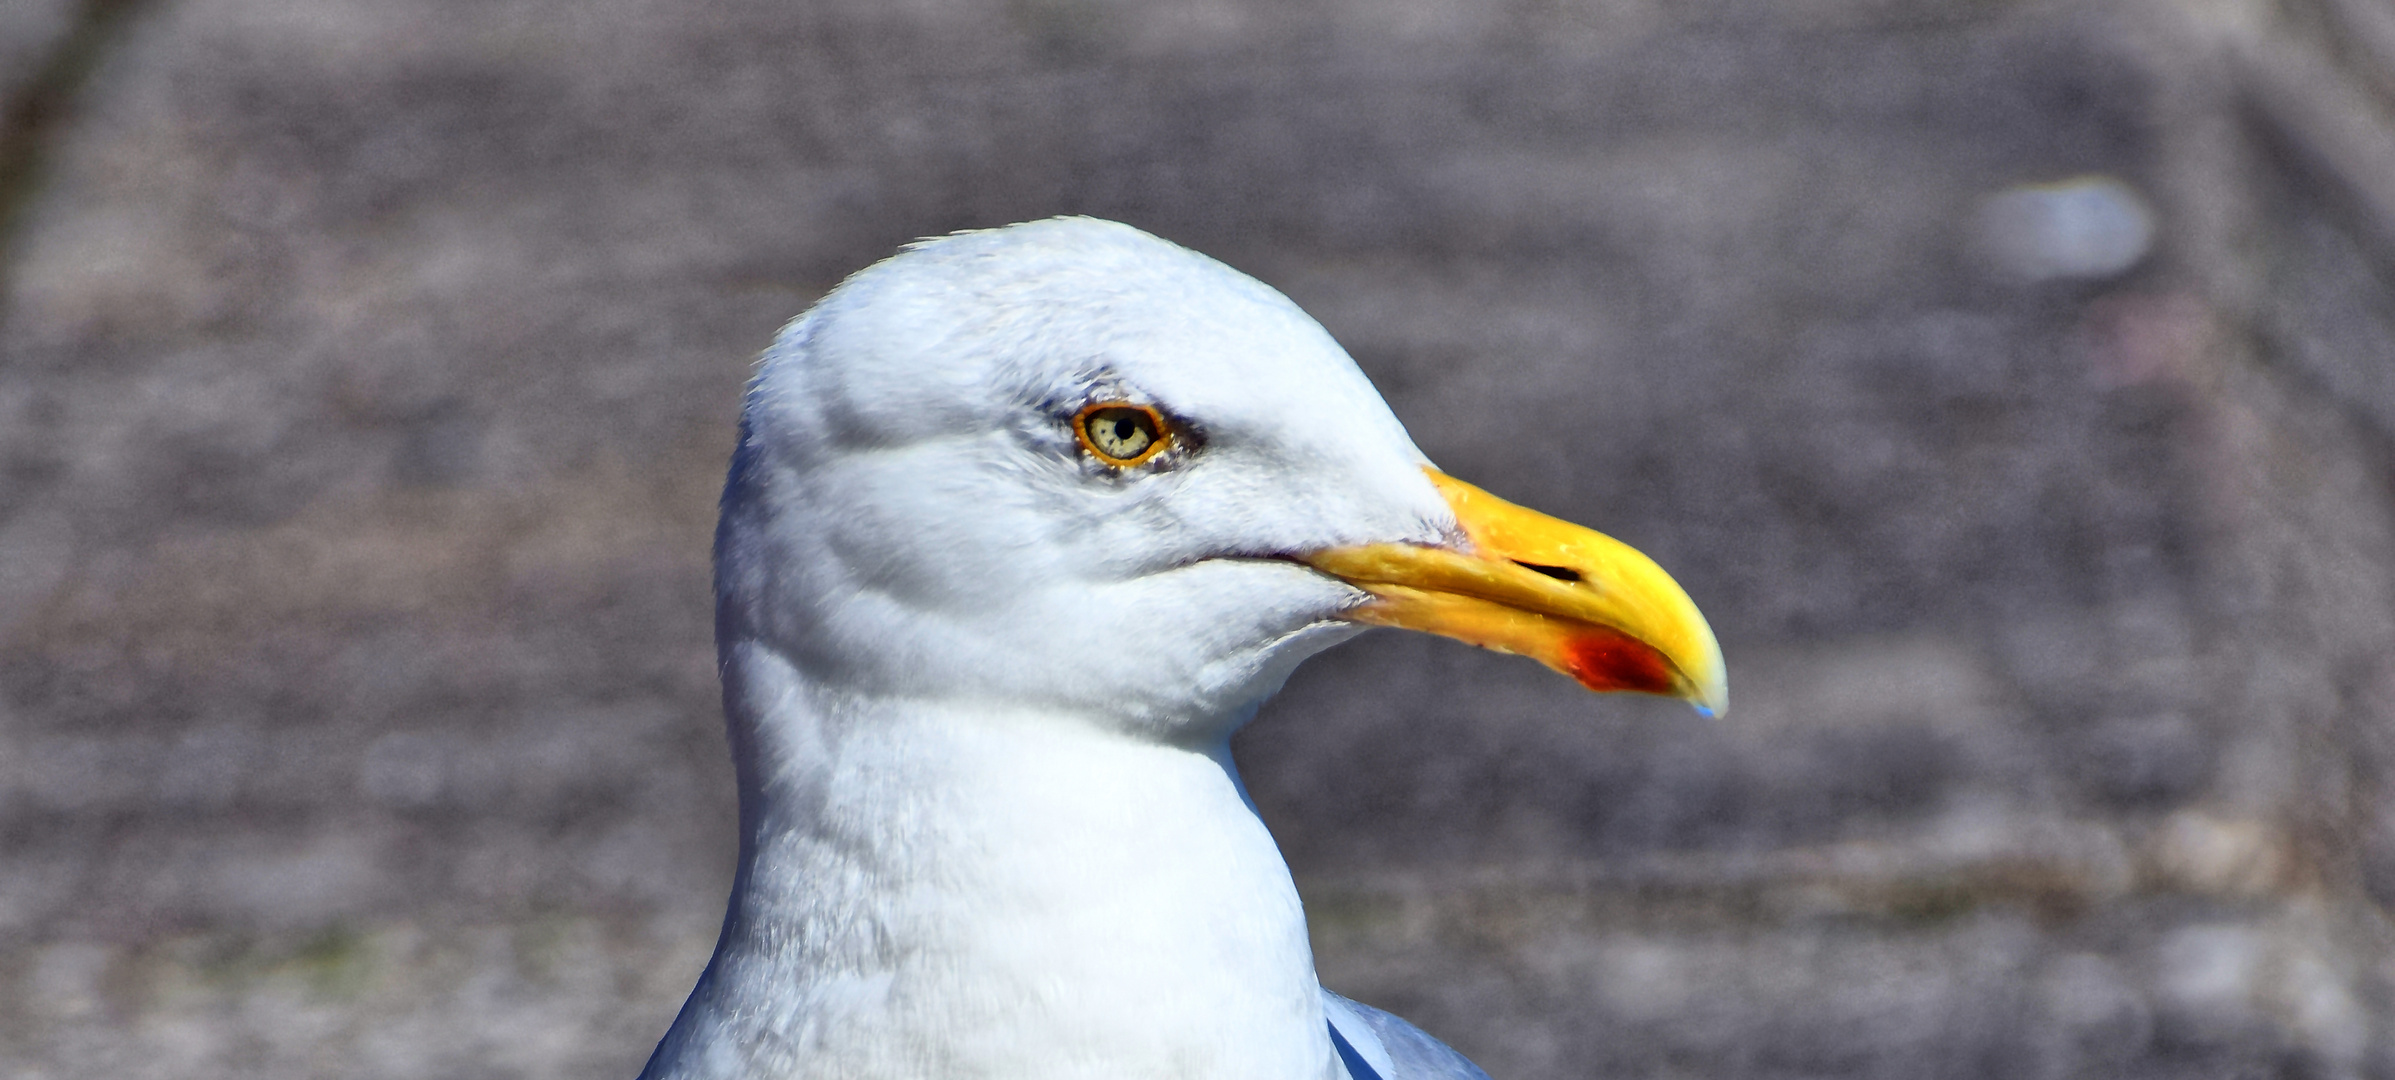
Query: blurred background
[2012, 382]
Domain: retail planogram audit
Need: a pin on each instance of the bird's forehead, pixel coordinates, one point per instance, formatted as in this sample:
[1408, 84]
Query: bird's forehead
[1225, 359]
[978, 322]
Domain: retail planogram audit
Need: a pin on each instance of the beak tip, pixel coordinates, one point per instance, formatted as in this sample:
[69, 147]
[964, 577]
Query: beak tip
[1712, 693]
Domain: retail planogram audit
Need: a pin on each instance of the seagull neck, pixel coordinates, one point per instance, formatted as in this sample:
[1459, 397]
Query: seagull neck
[915, 870]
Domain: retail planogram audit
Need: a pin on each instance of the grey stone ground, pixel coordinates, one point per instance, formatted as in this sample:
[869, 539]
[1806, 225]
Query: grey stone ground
[367, 368]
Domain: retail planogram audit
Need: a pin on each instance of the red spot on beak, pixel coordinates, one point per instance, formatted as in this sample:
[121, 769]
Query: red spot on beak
[1603, 659]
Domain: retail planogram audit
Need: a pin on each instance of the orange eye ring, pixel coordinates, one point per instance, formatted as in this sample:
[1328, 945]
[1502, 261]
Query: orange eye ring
[1122, 433]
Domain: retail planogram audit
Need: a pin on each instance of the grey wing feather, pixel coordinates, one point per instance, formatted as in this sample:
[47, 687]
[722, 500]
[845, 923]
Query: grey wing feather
[1379, 1043]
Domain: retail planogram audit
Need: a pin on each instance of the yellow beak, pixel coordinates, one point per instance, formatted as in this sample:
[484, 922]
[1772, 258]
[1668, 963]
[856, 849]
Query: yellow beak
[1571, 598]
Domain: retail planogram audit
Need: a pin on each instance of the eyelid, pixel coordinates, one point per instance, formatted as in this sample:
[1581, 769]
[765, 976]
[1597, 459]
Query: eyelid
[1166, 434]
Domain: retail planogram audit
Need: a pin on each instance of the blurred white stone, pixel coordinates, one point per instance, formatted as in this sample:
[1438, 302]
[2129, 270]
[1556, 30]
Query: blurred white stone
[2196, 851]
[1646, 980]
[2084, 227]
[2321, 1007]
[2212, 970]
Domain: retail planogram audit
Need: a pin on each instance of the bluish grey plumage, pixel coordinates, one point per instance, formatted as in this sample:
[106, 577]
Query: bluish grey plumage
[1391, 1048]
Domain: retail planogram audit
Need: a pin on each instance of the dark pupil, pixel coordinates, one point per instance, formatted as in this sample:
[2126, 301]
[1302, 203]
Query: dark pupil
[1123, 434]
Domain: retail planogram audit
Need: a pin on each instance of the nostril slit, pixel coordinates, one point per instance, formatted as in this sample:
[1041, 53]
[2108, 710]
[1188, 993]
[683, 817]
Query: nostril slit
[1559, 573]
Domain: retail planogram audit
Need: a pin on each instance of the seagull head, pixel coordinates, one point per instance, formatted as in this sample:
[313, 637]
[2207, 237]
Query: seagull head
[1070, 468]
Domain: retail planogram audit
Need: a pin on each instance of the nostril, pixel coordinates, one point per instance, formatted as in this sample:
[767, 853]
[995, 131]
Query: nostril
[1559, 573]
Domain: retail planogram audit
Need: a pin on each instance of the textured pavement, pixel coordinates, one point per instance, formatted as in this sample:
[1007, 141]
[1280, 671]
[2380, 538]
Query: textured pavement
[367, 370]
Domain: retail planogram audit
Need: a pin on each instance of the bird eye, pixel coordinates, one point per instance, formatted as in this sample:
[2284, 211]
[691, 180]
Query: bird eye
[1120, 433]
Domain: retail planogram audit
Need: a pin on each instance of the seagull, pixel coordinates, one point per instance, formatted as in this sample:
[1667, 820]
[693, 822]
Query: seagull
[1023, 524]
